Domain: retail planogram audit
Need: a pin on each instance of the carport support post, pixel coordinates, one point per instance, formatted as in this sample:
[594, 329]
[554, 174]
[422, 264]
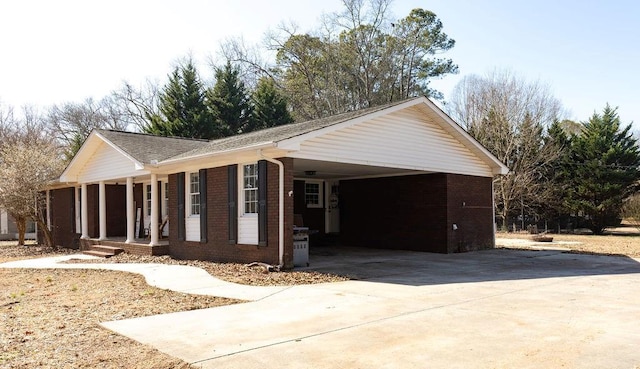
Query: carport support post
[103, 210]
[131, 221]
[83, 212]
[154, 210]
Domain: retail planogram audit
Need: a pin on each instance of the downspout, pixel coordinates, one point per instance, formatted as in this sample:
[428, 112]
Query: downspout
[280, 206]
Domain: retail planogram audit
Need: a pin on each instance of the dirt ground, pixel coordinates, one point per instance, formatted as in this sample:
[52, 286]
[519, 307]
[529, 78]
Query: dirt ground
[625, 242]
[50, 318]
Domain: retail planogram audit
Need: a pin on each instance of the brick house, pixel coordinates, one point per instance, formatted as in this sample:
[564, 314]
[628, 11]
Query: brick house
[398, 176]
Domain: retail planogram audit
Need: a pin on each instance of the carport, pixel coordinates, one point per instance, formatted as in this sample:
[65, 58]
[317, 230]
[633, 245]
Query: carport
[405, 177]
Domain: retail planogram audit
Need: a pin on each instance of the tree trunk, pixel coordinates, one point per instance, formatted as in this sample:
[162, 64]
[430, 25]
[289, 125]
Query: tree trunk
[47, 237]
[21, 225]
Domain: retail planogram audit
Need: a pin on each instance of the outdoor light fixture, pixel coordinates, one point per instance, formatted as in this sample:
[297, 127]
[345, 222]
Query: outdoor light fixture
[310, 172]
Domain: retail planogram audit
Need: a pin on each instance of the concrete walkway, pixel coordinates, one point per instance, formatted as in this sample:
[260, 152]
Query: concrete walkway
[491, 309]
[179, 278]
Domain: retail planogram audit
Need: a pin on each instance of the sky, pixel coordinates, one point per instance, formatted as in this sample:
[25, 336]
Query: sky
[51, 52]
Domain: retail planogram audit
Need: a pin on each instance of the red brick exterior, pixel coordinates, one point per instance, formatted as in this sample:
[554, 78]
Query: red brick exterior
[63, 217]
[417, 212]
[217, 247]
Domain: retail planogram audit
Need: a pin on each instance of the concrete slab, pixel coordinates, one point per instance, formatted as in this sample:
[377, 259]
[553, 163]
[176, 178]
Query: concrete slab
[179, 278]
[491, 309]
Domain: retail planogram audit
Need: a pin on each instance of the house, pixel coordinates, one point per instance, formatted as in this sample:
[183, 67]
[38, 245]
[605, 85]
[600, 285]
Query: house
[398, 176]
[8, 229]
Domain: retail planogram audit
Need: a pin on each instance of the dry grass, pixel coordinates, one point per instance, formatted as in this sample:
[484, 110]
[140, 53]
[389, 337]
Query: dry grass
[616, 245]
[50, 318]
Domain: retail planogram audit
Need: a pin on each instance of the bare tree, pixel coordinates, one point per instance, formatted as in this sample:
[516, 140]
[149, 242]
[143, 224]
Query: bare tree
[631, 210]
[137, 105]
[71, 122]
[29, 160]
[508, 115]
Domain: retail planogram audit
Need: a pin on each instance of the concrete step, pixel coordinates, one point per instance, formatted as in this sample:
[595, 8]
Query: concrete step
[103, 251]
[108, 249]
[98, 253]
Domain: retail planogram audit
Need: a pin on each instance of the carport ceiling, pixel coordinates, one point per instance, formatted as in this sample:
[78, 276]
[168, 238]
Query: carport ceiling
[302, 168]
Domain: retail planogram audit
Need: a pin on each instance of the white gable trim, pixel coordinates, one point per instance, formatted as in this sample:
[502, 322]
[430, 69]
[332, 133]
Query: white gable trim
[294, 143]
[84, 155]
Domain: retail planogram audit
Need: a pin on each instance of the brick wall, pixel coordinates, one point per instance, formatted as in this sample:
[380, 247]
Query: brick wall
[217, 247]
[116, 196]
[417, 212]
[63, 219]
[407, 212]
[470, 207]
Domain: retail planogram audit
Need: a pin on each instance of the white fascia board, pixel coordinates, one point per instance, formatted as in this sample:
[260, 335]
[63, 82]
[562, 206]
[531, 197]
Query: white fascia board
[293, 144]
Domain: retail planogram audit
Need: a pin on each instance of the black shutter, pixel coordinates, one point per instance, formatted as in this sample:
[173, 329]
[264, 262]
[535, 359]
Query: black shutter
[232, 174]
[202, 175]
[180, 194]
[262, 203]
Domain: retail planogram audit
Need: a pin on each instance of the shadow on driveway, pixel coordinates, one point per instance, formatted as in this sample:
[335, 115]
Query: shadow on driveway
[422, 268]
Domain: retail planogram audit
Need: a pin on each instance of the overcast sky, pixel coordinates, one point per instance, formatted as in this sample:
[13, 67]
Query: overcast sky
[588, 52]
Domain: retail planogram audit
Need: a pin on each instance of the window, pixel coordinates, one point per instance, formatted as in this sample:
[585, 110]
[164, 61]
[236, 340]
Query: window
[149, 200]
[250, 188]
[165, 209]
[313, 194]
[194, 193]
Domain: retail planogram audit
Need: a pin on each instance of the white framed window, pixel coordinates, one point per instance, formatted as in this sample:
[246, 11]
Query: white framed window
[194, 193]
[148, 199]
[249, 189]
[313, 194]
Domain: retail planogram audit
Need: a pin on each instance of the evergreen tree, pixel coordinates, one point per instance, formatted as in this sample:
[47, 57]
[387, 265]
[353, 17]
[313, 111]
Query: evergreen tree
[269, 106]
[229, 102]
[183, 111]
[605, 169]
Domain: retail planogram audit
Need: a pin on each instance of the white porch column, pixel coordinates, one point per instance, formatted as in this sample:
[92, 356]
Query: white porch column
[103, 210]
[131, 218]
[48, 209]
[154, 210]
[83, 212]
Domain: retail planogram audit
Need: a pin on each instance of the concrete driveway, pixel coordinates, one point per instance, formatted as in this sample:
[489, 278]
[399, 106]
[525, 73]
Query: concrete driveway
[489, 309]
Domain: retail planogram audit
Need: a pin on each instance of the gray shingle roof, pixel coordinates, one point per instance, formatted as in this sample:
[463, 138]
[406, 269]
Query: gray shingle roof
[279, 133]
[145, 147]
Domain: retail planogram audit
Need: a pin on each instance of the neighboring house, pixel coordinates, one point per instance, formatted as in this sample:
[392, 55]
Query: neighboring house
[8, 229]
[399, 176]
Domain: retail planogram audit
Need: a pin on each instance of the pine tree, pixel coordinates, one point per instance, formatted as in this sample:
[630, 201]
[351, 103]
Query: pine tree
[229, 102]
[269, 106]
[183, 111]
[605, 161]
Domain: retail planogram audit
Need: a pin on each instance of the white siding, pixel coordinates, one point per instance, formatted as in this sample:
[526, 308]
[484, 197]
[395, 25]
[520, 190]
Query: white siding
[405, 139]
[4, 222]
[248, 230]
[191, 222]
[107, 163]
[192, 228]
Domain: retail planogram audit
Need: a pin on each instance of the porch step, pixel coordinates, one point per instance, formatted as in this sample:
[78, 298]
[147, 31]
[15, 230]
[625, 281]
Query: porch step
[103, 251]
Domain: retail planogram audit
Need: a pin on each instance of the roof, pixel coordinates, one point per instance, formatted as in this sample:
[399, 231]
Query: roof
[143, 150]
[279, 133]
[146, 148]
